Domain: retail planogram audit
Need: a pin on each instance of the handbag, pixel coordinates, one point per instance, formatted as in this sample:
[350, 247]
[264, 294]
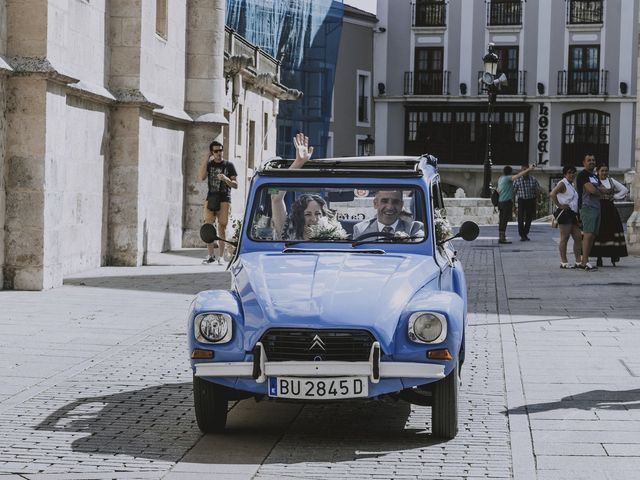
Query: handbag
[556, 216]
[495, 196]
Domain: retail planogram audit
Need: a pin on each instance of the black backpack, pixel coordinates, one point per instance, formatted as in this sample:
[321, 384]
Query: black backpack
[494, 197]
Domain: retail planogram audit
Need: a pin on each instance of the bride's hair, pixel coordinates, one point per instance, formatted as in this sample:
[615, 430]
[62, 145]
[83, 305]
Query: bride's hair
[293, 228]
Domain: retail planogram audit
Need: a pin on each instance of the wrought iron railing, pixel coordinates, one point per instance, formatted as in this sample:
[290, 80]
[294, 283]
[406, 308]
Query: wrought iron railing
[584, 11]
[426, 83]
[580, 82]
[429, 14]
[504, 12]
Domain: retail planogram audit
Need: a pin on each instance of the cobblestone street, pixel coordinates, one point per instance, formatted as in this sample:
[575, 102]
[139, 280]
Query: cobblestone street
[95, 382]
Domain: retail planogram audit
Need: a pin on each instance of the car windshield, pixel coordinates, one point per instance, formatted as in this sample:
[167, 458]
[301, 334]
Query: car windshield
[350, 213]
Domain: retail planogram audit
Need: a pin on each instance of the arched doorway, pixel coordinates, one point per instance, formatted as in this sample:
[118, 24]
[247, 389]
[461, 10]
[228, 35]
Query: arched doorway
[585, 131]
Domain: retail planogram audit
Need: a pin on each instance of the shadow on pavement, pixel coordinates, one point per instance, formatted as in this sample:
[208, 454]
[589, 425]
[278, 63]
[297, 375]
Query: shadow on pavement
[593, 399]
[158, 423]
[183, 283]
[155, 422]
[196, 253]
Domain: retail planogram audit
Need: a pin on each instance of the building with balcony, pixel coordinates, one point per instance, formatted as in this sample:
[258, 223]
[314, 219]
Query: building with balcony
[571, 72]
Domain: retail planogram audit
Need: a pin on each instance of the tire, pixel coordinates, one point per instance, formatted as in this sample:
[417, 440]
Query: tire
[444, 412]
[211, 405]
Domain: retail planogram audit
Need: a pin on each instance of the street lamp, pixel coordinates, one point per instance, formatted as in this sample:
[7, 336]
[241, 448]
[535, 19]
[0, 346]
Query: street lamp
[368, 145]
[492, 85]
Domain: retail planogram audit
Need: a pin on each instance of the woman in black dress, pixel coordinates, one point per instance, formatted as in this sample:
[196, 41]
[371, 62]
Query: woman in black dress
[610, 239]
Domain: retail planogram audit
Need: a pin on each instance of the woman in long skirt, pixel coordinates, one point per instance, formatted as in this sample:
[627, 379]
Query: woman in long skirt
[610, 239]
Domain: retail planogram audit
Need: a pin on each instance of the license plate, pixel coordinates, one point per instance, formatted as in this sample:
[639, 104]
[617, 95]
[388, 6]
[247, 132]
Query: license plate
[318, 388]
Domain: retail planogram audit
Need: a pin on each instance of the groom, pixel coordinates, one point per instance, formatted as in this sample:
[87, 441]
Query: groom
[388, 205]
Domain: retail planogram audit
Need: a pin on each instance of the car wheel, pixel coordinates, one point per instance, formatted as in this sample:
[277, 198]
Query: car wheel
[211, 405]
[444, 412]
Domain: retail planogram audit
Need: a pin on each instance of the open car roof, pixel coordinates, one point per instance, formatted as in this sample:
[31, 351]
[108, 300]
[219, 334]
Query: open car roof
[387, 166]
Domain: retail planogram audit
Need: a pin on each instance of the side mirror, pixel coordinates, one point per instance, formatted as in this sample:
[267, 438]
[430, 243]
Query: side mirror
[468, 231]
[209, 234]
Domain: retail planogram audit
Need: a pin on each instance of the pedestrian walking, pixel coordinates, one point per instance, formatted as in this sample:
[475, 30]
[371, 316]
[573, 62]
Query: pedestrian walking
[565, 198]
[505, 199]
[221, 178]
[590, 191]
[526, 190]
[610, 240]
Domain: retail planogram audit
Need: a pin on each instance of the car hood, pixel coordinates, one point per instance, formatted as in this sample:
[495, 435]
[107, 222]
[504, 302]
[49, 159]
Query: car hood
[328, 290]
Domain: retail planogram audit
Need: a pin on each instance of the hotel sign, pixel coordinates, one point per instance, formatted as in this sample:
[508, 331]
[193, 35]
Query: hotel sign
[543, 134]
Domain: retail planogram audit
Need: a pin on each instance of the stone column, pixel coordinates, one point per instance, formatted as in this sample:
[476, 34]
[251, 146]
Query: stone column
[125, 232]
[3, 168]
[204, 103]
[633, 224]
[25, 207]
[32, 209]
[124, 239]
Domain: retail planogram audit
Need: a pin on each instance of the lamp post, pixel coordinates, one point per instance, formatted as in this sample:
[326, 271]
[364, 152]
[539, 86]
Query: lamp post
[368, 145]
[491, 85]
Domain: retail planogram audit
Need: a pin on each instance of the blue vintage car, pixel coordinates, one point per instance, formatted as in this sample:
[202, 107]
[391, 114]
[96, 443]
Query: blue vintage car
[341, 288]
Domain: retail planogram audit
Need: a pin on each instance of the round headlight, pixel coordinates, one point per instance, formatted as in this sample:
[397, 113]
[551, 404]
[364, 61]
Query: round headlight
[427, 327]
[214, 327]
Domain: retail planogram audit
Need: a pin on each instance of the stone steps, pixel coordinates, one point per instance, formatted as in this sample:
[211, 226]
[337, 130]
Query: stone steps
[479, 210]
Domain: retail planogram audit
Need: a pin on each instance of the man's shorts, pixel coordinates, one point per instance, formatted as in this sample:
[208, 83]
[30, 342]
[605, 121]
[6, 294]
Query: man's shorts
[590, 218]
[215, 199]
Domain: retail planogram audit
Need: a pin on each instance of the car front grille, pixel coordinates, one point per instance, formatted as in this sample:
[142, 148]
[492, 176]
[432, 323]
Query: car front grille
[285, 344]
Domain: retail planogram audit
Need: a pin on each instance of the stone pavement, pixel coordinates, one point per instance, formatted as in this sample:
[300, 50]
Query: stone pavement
[95, 382]
[572, 363]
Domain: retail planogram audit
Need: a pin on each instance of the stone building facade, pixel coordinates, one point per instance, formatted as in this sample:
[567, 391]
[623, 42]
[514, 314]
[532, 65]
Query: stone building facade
[107, 109]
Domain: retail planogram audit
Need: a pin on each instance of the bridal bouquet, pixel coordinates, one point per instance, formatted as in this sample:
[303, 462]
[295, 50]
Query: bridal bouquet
[326, 229]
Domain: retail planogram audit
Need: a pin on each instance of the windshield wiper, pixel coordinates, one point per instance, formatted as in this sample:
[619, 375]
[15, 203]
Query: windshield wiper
[377, 251]
[355, 243]
[289, 243]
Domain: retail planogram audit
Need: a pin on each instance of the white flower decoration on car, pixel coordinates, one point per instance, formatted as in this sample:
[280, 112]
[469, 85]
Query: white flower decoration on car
[442, 225]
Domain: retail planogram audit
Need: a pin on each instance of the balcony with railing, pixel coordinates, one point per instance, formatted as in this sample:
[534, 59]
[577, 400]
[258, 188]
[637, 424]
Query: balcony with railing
[426, 83]
[517, 83]
[429, 13]
[504, 12]
[260, 61]
[582, 82]
[581, 12]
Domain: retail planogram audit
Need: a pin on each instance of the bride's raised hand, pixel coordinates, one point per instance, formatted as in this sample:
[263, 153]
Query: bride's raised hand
[303, 150]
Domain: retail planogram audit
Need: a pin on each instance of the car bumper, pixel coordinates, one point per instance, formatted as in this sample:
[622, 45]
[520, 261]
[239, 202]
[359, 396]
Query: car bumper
[261, 368]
